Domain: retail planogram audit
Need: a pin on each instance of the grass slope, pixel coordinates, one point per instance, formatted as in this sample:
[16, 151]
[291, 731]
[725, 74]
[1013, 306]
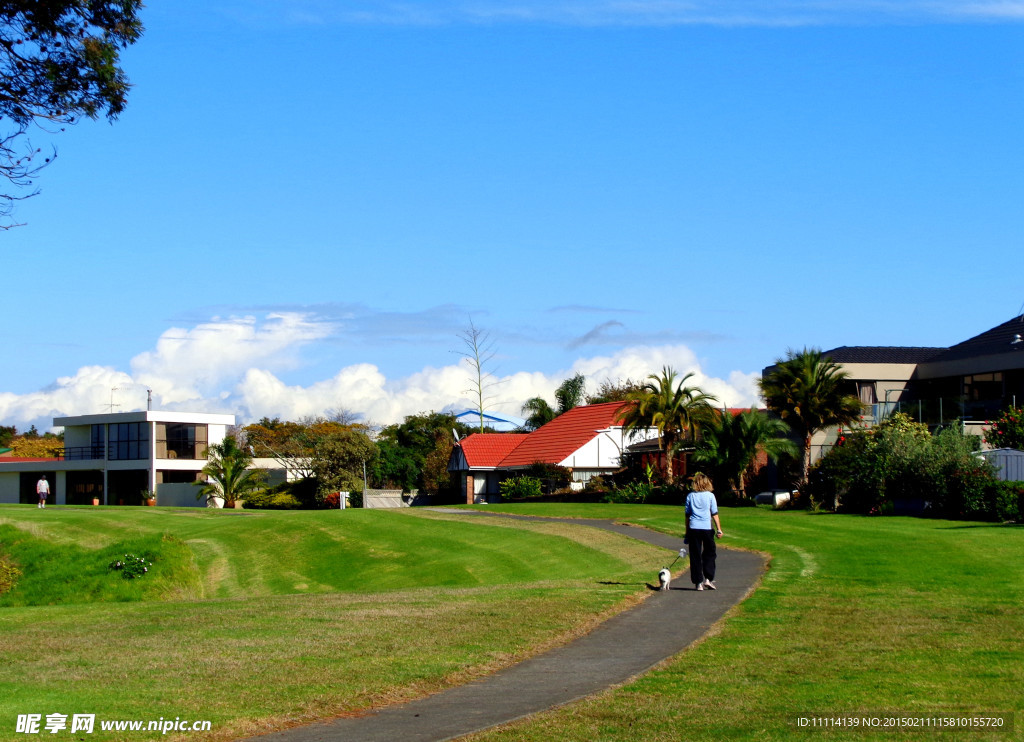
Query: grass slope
[289, 616]
[872, 615]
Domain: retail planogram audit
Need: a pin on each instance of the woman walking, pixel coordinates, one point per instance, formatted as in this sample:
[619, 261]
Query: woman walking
[701, 510]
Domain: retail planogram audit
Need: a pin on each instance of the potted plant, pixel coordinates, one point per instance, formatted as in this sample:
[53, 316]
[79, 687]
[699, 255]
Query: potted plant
[149, 496]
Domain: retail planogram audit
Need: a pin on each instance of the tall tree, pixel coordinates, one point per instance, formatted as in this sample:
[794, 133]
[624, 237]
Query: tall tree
[810, 392]
[338, 459]
[227, 472]
[538, 412]
[677, 411]
[478, 354]
[59, 61]
[407, 448]
[730, 443]
[570, 393]
[614, 391]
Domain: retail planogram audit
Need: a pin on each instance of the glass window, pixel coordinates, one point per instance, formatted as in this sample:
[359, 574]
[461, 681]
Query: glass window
[129, 441]
[180, 441]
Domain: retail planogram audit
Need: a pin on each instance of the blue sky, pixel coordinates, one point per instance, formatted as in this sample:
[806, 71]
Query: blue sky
[306, 201]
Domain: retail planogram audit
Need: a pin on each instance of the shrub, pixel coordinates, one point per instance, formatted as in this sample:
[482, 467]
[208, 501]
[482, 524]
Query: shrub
[268, 500]
[901, 460]
[1008, 500]
[333, 500]
[1007, 430]
[130, 566]
[633, 492]
[517, 488]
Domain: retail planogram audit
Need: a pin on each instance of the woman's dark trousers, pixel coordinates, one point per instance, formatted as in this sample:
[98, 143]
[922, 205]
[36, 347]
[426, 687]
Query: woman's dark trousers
[702, 556]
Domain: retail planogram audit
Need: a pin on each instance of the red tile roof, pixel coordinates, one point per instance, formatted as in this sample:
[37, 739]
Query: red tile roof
[556, 441]
[488, 449]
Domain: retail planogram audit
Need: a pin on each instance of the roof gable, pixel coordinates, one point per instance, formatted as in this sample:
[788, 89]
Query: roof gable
[486, 450]
[1000, 339]
[556, 441]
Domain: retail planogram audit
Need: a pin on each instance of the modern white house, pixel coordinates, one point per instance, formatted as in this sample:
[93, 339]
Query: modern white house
[115, 457]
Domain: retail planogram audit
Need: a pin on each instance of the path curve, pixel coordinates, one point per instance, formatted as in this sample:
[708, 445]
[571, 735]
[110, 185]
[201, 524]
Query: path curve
[621, 648]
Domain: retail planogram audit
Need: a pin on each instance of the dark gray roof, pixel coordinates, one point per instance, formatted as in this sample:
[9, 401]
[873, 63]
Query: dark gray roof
[881, 354]
[991, 342]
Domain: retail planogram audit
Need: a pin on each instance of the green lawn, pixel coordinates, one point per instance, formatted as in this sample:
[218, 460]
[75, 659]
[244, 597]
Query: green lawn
[856, 615]
[258, 620]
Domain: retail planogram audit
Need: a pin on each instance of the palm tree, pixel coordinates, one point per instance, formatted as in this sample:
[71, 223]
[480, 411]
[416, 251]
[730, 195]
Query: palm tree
[808, 391]
[540, 412]
[730, 443]
[673, 408]
[570, 393]
[227, 472]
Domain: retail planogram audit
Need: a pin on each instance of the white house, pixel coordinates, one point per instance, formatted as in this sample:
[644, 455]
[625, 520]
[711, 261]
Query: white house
[116, 456]
[589, 440]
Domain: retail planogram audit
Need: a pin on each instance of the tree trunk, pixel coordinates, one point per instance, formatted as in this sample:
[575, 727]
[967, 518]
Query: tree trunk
[670, 477]
[805, 474]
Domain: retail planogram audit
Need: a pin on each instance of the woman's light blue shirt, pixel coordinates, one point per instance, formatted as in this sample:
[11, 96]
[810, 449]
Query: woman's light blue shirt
[700, 506]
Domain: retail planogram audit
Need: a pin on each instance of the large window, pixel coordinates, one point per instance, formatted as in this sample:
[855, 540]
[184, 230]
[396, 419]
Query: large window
[180, 441]
[979, 387]
[128, 441]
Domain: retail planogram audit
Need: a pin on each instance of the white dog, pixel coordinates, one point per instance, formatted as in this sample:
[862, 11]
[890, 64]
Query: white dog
[664, 578]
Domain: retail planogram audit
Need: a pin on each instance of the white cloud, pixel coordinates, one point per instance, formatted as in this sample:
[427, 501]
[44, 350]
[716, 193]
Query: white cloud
[188, 364]
[239, 365]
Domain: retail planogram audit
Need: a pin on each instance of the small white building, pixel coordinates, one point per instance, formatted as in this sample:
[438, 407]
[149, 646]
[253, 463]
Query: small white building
[115, 457]
[1008, 463]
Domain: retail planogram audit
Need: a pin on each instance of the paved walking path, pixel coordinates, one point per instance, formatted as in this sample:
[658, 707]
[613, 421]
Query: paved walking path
[621, 648]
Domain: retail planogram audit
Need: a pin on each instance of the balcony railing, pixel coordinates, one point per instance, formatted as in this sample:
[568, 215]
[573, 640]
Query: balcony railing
[83, 453]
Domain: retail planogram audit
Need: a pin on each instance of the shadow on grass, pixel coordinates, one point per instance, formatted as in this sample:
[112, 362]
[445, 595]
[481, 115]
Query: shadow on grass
[609, 582]
[982, 525]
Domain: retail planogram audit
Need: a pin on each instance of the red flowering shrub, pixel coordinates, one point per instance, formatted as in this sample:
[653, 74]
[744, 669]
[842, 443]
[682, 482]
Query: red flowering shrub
[1007, 430]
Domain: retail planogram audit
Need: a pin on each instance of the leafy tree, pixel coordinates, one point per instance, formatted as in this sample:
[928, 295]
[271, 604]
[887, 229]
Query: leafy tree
[59, 61]
[228, 474]
[730, 443]
[538, 412]
[570, 393]
[7, 433]
[38, 446]
[337, 462]
[809, 391]
[405, 448]
[614, 391]
[676, 410]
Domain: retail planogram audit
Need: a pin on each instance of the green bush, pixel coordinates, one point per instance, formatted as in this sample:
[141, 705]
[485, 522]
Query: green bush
[297, 495]
[518, 488]
[1008, 500]
[268, 500]
[1007, 430]
[634, 492]
[901, 460]
[130, 566]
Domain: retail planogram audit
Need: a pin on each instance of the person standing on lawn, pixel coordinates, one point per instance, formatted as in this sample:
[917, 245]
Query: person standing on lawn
[701, 510]
[43, 490]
